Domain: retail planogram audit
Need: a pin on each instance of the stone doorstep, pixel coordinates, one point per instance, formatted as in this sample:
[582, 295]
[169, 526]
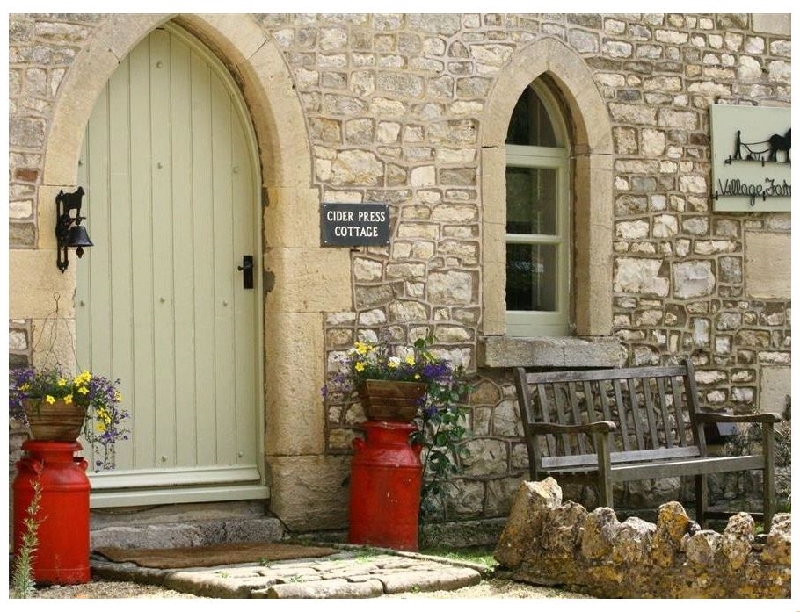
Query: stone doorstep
[305, 578]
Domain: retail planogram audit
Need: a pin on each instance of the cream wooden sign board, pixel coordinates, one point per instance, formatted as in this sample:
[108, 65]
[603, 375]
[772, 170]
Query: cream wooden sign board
[750, 158]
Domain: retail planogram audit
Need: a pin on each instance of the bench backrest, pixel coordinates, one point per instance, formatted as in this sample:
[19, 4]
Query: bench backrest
[653, 408]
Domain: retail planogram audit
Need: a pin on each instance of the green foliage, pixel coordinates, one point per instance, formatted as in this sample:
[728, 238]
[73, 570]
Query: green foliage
[480, 555]
[22, 583]
[442, 431]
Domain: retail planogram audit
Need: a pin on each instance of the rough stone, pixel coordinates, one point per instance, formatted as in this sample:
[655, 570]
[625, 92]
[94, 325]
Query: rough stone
[545, 542]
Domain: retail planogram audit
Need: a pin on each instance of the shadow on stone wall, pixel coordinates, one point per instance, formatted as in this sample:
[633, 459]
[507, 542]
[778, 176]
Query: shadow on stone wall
[548, 542]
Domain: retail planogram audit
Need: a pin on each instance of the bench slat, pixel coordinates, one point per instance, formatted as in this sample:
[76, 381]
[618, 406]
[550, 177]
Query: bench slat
[609, 374]
[544, 404]
[620, 406]
[634, 409]
[576, 415]
[650, 412]
[662, 400]
[621, 457]
[558, 397]
[677, 400]
[655, 469]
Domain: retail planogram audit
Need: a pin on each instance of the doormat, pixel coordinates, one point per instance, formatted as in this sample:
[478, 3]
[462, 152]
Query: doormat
[215, 554]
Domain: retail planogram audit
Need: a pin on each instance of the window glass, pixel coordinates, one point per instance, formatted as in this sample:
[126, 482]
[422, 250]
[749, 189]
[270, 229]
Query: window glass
[530, 124]
[531, 203]
[531, 277]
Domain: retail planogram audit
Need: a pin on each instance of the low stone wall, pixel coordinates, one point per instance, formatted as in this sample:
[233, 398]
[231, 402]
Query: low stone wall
[548, 542]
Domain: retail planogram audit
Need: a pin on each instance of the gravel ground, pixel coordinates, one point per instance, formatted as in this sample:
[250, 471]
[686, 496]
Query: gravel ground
[492, 588]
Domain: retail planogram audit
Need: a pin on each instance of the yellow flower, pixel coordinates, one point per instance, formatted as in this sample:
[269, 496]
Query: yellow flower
[68, 398]
[62, 382]
[83, 378]
[83, 390]
[50, 399]
[117, 396]
[24, 387]
[410, 359]
[359, 367]
[362, 348]
[101, 427]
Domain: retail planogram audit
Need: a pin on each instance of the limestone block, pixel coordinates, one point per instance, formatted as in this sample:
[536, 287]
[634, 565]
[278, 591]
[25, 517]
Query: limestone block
[36, 281]
[308, 279]
[632, 541]
[640, 275]
[767, 265]
[775, 388]
[737, 539]
[309, 493]
[294, 408]
[525, 520]
[701, 548]
[773, 23]
[486, 456]
[506, 420]
[693, 279]
[452, 287]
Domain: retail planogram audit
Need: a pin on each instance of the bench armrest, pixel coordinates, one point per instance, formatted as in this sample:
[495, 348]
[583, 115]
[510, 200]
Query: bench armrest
[762, 417]
[554, 428]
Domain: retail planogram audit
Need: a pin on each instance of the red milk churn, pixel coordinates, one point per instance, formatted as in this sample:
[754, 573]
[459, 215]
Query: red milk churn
[62, 554]
[385, 485]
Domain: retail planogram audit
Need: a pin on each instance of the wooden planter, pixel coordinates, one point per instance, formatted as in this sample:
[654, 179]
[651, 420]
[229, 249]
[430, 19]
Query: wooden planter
[391, 400]
[56, 422]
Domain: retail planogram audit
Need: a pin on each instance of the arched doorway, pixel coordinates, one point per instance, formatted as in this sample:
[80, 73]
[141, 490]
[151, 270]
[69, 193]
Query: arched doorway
[164, 300]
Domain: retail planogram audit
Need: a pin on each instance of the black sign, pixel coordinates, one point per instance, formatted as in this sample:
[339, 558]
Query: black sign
[355, 224]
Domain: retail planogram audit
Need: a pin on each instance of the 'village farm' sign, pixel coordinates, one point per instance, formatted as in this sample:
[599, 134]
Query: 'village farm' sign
[750, 158]
[354, 225]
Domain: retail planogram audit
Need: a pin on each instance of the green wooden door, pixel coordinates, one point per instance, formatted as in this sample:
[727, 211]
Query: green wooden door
[169, 169]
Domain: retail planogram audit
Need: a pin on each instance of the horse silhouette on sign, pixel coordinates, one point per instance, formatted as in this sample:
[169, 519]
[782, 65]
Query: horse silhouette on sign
[771, 147]
[779, 143]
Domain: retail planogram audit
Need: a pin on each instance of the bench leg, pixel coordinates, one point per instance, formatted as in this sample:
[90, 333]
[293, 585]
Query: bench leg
[604, 486]
[769, 475]
[701, 499]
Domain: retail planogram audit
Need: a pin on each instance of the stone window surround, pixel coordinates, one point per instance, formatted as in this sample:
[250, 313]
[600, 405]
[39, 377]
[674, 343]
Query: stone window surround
[592, 165]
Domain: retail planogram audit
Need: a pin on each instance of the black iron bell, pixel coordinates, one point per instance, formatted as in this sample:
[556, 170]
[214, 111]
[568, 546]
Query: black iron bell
[78, 238]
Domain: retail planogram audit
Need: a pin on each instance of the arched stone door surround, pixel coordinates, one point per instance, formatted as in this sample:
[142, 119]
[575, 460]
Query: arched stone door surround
[302, 280]
[592, 169]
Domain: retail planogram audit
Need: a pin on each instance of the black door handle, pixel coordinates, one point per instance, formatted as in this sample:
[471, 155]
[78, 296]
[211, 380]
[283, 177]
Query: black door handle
[247, 268]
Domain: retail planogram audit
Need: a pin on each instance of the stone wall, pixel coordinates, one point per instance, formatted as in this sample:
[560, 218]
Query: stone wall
[395, 111]
[550, 543]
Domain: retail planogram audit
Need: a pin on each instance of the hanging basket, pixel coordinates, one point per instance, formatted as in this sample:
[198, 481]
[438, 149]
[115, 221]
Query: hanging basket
[56, 422]
[391, 400]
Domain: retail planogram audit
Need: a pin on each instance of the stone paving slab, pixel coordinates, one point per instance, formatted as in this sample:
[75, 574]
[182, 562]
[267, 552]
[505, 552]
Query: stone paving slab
[351, 574]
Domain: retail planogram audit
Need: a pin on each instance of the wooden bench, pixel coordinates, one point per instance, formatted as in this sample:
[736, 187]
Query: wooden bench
[588, 427]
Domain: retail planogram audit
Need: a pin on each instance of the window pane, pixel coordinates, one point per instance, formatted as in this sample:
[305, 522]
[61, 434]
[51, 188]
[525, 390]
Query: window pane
[531, 201]
[530, 124]
[531, 277]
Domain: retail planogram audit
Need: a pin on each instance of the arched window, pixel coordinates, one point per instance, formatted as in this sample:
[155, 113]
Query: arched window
[537, 232]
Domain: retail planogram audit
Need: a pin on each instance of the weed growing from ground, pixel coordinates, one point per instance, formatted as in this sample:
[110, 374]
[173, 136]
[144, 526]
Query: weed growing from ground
[22, 583]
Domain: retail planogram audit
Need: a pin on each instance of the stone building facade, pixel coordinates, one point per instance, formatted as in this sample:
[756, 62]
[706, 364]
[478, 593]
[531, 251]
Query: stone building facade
[412, 110]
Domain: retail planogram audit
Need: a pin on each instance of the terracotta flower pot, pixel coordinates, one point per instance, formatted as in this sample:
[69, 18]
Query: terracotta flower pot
[391, 400]
[56, 422]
